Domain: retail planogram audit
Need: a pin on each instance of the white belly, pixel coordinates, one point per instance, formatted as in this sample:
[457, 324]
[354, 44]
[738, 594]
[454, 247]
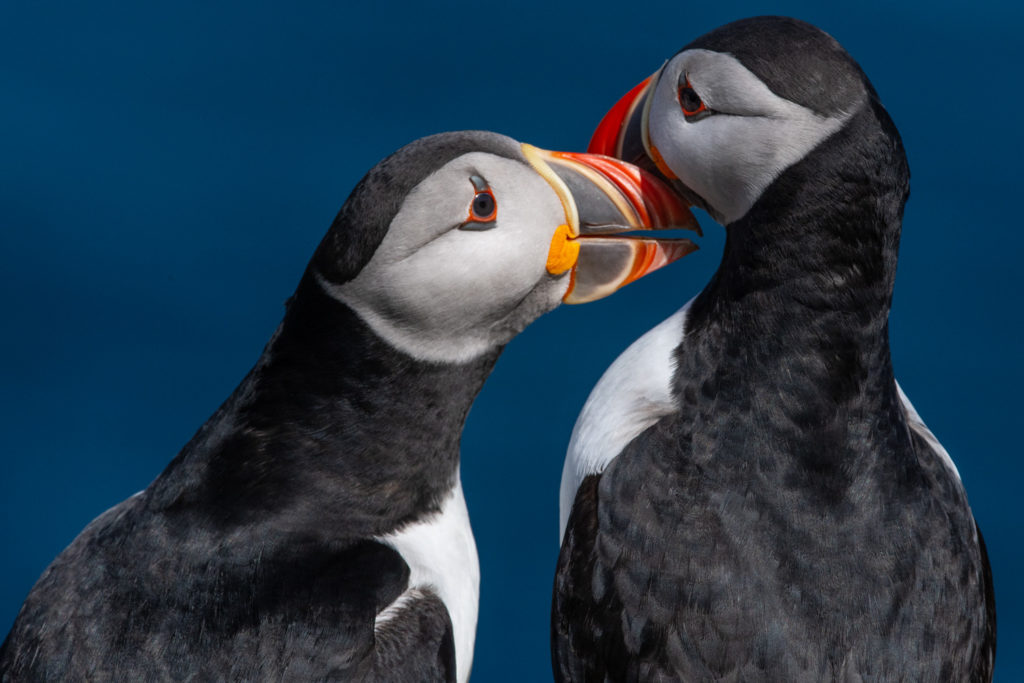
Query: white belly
[442, 559]
[634, 393]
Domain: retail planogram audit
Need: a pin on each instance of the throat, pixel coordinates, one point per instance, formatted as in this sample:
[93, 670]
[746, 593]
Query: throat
[333, 427]
[788, 344]
[801, 394]
[807, 275]
[823, 238]
[808, 293]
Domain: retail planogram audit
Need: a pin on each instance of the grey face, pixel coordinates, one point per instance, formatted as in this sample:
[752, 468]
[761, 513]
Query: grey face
[444, 289]
[743, 139]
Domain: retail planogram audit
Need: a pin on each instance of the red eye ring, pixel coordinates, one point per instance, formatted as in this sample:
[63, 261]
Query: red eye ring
[689, 101]
[484, 207]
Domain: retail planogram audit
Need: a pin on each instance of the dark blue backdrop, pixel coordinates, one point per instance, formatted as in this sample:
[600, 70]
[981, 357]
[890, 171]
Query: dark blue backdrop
[166, 172]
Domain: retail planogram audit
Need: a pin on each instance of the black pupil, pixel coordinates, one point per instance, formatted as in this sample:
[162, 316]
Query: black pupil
[483, 205]
[689, 99]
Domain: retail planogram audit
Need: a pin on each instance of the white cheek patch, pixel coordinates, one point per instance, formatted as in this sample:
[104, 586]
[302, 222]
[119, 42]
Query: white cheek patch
[443, 294]
[730, 157]
[634, 393]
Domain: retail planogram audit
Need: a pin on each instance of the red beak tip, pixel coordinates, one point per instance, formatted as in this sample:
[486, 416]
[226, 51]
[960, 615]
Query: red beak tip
[606, 138]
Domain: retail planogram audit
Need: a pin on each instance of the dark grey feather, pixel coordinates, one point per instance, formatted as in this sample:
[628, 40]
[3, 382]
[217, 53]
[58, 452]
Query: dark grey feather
[252, 556]
[785, 524]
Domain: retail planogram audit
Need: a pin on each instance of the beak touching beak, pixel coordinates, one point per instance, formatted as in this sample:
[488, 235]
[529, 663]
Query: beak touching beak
[602, 198]
[623, 132]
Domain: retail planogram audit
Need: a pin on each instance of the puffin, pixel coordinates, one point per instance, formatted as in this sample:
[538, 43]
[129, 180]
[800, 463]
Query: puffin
[315, 526]
[748, 493]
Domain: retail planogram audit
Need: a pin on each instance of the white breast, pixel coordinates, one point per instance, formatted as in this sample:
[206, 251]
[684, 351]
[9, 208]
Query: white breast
[634, 393]
[915, 422]
[442, 559]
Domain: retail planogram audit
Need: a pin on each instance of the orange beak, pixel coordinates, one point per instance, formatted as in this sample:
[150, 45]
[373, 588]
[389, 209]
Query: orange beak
[603, 198]
[623, 131]
[610, 133]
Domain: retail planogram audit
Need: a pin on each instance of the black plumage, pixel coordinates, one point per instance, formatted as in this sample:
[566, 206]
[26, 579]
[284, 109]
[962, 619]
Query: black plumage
[786, 522]
[253, 555]
[315, 527]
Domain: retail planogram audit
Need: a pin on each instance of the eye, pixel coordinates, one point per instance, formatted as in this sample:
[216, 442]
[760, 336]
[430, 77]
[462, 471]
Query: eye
[484, 207]
[692, 105]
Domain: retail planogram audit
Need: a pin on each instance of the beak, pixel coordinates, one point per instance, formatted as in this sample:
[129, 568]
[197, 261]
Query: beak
[603, 198]
[623, 132]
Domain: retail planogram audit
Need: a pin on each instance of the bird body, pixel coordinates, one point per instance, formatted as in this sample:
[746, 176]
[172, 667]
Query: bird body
[789, 516]
[314, 527]
[271, 544]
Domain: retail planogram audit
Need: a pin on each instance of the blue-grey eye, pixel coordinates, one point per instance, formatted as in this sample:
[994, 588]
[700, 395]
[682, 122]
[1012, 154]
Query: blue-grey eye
[484, 207]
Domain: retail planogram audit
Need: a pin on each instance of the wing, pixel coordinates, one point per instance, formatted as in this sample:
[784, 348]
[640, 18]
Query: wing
[630, 603]
[929, 446]
[986, 662]
[577, 628]
[724, 586]
[134, 597]
[634, 393]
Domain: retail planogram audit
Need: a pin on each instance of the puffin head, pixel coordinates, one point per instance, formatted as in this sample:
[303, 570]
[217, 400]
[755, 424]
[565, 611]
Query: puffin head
[737, 107]
[451, 246]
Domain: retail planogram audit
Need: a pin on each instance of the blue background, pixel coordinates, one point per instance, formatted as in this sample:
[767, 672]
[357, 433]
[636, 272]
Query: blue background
[165, 173]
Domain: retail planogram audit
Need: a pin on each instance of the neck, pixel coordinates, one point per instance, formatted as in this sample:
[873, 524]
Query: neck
[791, 333]
[332, 430]
[824, 237]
